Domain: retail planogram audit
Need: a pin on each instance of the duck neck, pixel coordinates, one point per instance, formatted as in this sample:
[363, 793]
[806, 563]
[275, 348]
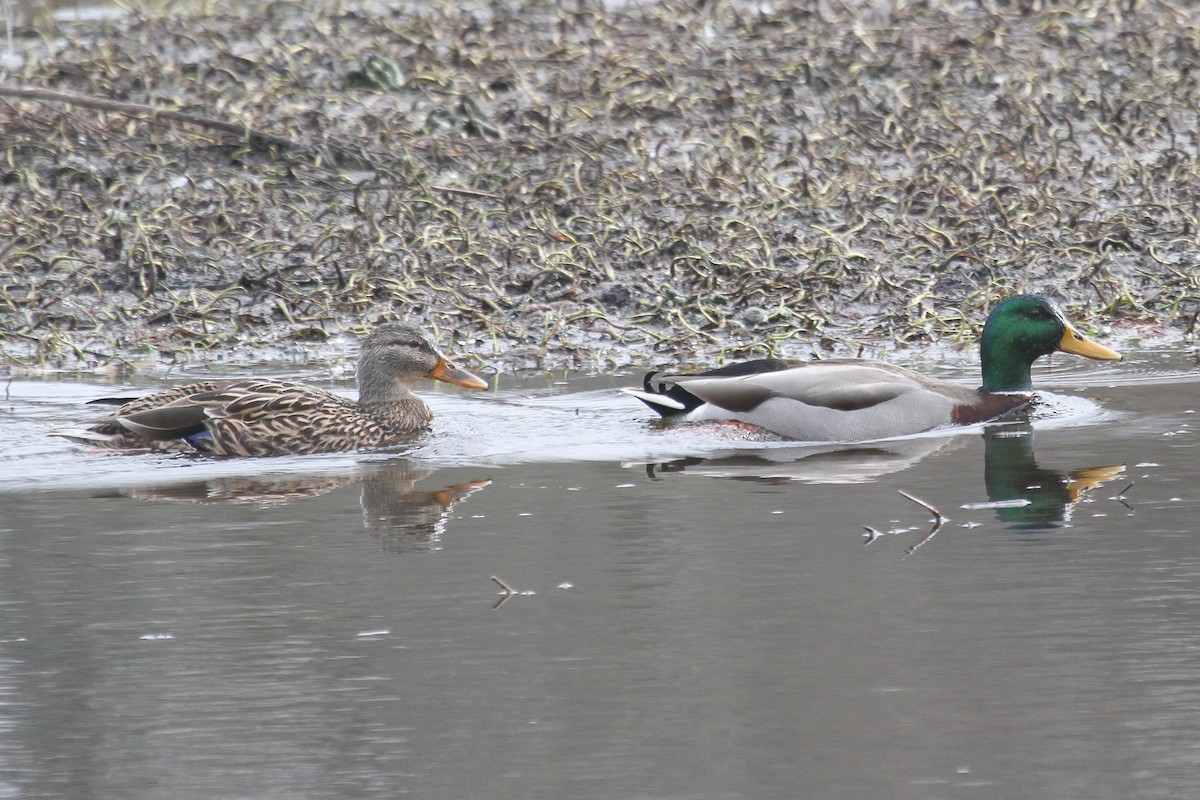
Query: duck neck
[1006, 367]
[390, 403]
[375, 389]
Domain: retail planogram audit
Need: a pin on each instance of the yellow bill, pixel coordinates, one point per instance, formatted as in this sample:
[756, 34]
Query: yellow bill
[1075, 342]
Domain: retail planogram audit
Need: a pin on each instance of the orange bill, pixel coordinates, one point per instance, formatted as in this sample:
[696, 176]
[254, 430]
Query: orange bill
[1075, 342]
[459, 491]
[445, 371]
[1083, 480]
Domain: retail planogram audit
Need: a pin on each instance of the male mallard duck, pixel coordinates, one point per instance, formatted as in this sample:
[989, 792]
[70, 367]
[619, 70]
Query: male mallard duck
[858, 399]
[274, 417]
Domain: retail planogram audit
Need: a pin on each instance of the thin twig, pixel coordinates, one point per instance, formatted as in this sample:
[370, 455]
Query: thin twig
[504, 595]
[386, 187]
[1120, 496]
[1191, 325]
[938, 522]
[937, 526]
[467, 192]
[923, 504]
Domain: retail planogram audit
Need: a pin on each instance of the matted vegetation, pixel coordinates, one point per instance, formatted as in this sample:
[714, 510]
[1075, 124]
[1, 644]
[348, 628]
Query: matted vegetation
[560, 184]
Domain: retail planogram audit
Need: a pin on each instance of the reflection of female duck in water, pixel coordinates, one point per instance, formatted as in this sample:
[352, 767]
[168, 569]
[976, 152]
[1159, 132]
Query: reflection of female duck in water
[393, 508]
[1024, 495]
[404, 517]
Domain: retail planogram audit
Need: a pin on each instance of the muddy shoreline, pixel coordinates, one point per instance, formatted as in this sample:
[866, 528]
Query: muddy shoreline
[573, 187]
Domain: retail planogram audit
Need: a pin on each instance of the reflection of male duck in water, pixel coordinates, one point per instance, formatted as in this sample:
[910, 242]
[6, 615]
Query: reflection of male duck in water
[401, 515]
[812, 464]
[1023, 494]
[1026, 496]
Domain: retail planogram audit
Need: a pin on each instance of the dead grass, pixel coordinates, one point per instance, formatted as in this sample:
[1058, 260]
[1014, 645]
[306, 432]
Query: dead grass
[566, 186]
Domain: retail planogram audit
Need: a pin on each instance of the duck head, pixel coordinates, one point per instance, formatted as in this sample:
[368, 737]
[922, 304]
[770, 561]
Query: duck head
[397, 355]
[1022, 329]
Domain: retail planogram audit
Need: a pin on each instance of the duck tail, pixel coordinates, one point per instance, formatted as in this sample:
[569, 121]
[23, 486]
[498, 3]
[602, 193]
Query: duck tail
[86, 436]
[664, 397]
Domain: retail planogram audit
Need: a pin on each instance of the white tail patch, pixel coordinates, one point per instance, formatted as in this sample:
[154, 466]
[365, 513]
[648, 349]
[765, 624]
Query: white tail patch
[654, 399]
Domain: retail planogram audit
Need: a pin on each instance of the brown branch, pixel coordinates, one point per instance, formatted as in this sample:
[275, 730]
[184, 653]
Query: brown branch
[253, 135]
[504, 595]
[150, 112]
[922, 504]
[937, 526]
[467, 192]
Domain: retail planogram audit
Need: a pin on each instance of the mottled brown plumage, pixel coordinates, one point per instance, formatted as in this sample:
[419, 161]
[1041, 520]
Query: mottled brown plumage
[264, 417]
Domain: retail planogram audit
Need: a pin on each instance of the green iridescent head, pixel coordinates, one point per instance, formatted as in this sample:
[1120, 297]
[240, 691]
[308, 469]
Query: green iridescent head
[1022, 329]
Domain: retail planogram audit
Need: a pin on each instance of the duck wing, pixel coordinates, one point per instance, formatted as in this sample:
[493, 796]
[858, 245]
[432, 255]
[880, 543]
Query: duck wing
[165, 422]
[108, 431]
[839, 384]
[180, 412]
[253, 418]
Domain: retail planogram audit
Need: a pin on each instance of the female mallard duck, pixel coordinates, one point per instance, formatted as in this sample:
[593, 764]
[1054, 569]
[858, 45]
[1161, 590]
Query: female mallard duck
[857, 399]
[275, 417]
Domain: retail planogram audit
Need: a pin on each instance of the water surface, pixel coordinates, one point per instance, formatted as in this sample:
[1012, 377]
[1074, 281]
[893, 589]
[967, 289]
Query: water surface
[694, 618]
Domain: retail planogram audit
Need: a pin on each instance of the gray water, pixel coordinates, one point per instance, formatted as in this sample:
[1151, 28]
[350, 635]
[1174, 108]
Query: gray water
[693, 617]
